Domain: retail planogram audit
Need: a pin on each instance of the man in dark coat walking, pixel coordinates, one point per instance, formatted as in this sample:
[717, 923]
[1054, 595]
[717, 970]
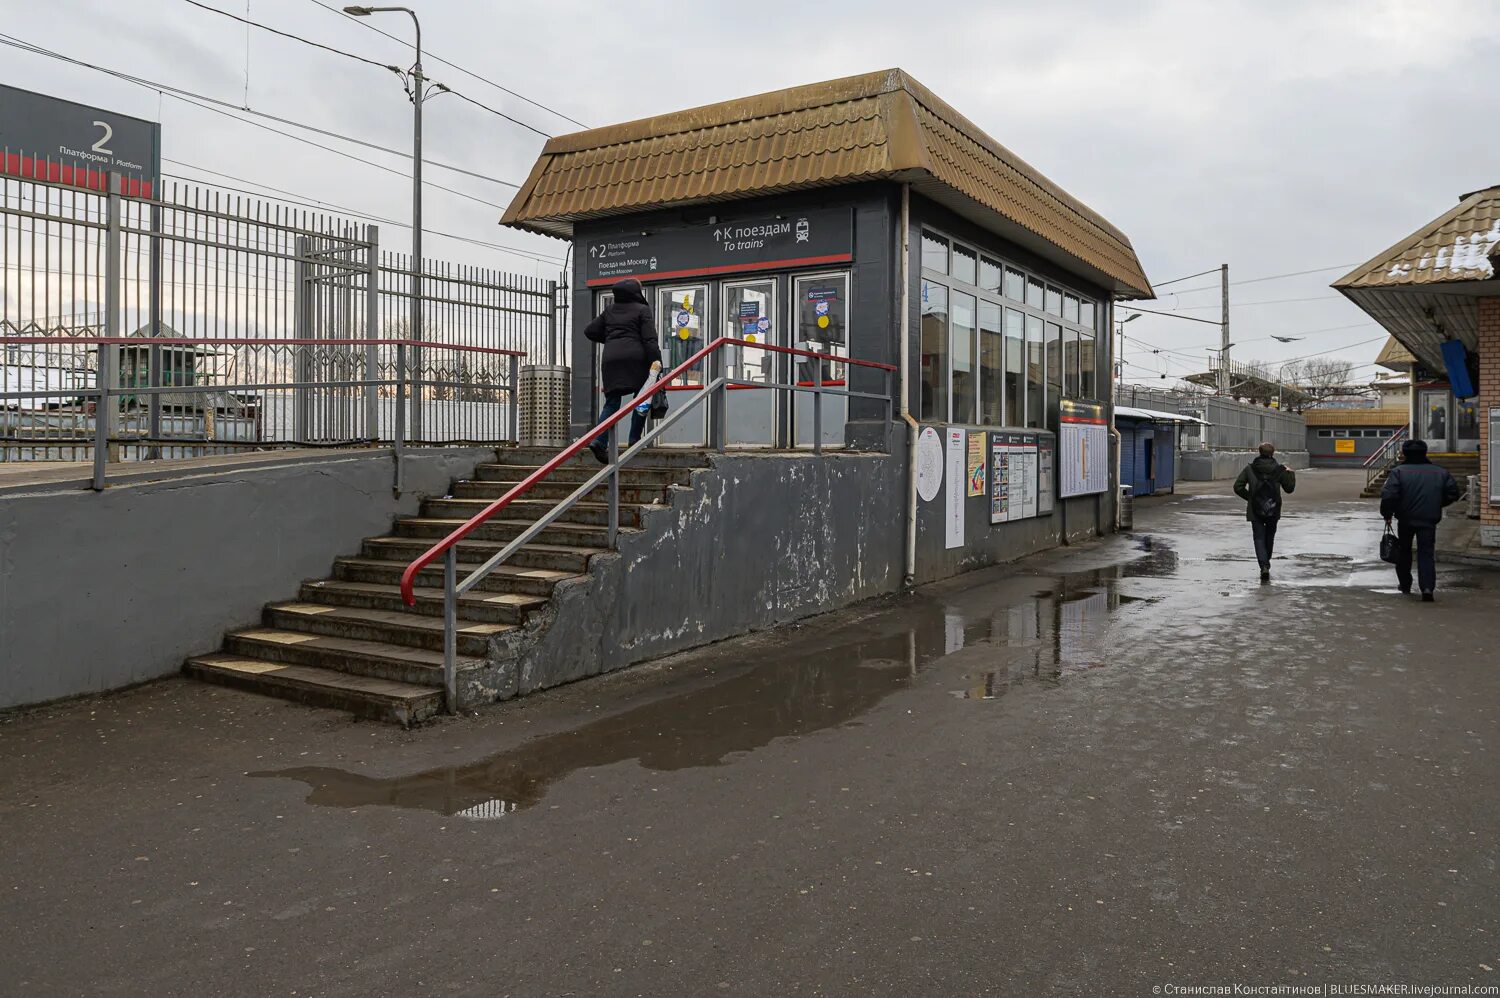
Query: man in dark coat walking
[627, 330]
[1261, 485]
[1415, 494]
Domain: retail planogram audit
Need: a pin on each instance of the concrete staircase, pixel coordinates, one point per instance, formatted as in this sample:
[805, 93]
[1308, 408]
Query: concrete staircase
[349, 641]
[1460, 466]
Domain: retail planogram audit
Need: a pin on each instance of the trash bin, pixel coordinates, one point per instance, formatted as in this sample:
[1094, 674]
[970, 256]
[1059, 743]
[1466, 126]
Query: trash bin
[544, 406]
[1473, 497]
[1127, 508]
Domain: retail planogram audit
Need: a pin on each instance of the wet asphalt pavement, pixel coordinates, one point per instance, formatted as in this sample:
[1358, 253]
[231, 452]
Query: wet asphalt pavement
[1110, 768]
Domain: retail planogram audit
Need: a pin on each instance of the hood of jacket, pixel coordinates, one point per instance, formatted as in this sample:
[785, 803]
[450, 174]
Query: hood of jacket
[629, 290]
[1264, 466]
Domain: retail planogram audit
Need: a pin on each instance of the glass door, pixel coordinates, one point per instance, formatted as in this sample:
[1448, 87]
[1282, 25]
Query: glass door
[1466, 435]
[820, 308]
[682, 319]
[1432, 425]
[602, 301]
[749, 313]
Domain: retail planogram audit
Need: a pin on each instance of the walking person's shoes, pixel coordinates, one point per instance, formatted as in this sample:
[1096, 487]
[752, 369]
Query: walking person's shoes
[1265, 575]
[600, 454]
[1428, 598]
[1406, 590]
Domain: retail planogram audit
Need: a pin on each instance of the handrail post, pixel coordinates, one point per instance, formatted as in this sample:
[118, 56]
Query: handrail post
[515, 398]
[818, 407]
[398, 441]
[718, 407]
[105, 376]
[614, 485]
[450, 630]
[890, 412]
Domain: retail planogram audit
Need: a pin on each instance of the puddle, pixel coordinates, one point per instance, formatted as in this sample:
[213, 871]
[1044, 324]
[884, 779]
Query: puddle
[804, 683]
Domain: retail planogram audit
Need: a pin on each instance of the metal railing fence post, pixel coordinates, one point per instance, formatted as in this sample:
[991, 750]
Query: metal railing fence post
[515, 398]
[818, 407]
[398, 438]
[372, 331]
[553, 347]
[718, 406]
[105, 376]
[450, 630]
[614, 485]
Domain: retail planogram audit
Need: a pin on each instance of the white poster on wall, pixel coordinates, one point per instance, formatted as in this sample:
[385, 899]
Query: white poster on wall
[958, 485]
[929, 464]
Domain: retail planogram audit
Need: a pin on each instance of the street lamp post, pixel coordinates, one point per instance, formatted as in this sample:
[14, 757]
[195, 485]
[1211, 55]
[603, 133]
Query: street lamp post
[1120, 357]
[417, 97]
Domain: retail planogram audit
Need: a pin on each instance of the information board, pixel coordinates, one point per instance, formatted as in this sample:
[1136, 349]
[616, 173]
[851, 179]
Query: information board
[975, 464]
[957, 486]
[999, 477]
[1023, 476]
[1014, 466]
[1083, 449]
[1046, 472]
[769, 242]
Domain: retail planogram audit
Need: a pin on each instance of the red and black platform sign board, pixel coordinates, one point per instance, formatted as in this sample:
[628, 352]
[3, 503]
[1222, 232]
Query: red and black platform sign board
[46, 138]
[796, 239]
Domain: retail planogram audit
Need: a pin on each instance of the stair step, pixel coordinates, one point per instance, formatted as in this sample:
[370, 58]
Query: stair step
[571, 534]
[506, 578]
[556, 557]
[577, 474]
[397, 627]
[373, 659]
[495, 608]
[651, 457]
[381, 699]
[587, 513]
[643, 495]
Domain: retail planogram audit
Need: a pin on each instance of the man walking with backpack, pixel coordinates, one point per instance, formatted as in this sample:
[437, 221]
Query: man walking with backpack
[1261, 485]
[1415, 494]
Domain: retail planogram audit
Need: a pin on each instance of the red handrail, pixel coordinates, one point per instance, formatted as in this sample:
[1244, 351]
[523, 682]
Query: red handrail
[432, 554]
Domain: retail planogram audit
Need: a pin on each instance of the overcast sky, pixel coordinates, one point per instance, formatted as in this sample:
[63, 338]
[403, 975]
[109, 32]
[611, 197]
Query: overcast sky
[1273, 136]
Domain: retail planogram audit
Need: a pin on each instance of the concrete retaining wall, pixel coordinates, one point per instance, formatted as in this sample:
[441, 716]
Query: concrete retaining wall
[1212, 465]
[760, 540]
[101, 590]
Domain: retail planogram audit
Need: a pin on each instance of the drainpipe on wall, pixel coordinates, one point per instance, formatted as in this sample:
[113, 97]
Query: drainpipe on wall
[912, 429]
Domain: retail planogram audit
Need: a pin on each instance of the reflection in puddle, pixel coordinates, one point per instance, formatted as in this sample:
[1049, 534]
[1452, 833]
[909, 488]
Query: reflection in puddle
[811, 681]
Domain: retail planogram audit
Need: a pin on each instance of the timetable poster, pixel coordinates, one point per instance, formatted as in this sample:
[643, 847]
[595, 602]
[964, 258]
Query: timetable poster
[1023, 477]
[999, 477]
[1045, 475]
[1083, 444]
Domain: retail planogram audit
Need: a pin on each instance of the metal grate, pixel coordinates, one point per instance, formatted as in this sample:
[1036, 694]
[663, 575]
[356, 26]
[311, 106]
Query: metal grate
[545, 410]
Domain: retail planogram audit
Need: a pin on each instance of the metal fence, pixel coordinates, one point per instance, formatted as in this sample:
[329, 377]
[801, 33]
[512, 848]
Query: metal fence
[1232, 425]
[207, 322]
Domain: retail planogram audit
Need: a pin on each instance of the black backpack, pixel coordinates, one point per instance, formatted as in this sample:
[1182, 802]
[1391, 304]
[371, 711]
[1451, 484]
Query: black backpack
[1265, 495]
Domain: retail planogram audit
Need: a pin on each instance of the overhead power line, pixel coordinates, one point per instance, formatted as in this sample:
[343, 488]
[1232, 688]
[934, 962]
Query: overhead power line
[1178, 280]
[358, 58]
[1259, 280]
[303, 200]
[180, 93]
[362, 22]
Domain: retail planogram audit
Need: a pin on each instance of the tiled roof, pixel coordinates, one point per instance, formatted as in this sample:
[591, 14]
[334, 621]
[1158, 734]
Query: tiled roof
[1455, 247]
[878, 126]
[1394, 356]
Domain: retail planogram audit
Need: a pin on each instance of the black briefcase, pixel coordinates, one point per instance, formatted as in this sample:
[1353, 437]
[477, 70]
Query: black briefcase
[1388, 545]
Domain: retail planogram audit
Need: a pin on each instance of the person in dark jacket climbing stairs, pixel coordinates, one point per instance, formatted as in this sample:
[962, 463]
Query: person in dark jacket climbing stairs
[627, 330]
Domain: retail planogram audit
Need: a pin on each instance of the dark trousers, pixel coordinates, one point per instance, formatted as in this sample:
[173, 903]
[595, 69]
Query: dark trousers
[612, 403]
[1426, 538]
[1265, 541]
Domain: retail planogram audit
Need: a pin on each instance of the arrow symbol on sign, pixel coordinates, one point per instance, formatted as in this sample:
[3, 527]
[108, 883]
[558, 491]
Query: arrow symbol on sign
[593, 251]
[719, 234]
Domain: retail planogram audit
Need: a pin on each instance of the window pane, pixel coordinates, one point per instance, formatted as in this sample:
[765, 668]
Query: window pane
[1036, 396]
[963, 324]
[1070, 363]
[991, 365]
[934, 252]
[1086, 314]
[1087, 385]
[1035, 292]
[1015, 368]
[965, 264]
[1054, 363]
[1015, 284]
[1088, 380]
[1070, 308]
[680, 313]
[934, 406]
[1054, 301]
[989, 275]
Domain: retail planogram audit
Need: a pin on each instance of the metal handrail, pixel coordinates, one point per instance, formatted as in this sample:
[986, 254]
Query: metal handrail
[1385, 455]
[447, 547]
